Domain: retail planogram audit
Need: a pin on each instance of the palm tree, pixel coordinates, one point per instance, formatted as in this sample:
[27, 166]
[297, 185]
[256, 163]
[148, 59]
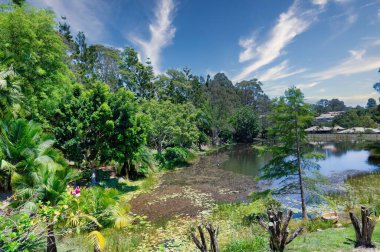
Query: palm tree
[32, 167]
[45, 183]
[24, 145]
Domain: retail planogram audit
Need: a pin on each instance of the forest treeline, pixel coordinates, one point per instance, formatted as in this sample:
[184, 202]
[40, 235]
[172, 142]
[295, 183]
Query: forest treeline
[104, 105]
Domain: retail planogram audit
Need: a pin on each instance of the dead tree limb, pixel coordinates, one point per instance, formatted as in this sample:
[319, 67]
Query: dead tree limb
[363, 230]
[278, 229]
[201, 244]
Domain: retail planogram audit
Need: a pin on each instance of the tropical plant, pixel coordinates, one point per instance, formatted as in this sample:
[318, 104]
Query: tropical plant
[24, 146]
[44, 183]
[97, 240]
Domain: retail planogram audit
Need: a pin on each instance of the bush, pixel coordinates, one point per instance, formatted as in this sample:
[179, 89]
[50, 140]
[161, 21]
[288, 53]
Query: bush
[176, 156]
[315, 224]
[257, 243]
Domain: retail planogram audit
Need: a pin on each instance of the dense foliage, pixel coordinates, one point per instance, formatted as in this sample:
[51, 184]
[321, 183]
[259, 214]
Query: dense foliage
[71, 111]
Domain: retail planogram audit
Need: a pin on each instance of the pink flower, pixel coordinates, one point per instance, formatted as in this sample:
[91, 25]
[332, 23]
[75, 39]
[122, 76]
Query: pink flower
[76, 192]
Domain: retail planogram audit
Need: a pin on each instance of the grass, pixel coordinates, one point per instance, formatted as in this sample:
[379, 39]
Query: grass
[332, 239]
[361, 190]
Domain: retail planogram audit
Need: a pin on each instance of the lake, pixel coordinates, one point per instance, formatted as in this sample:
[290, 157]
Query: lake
[341, 158]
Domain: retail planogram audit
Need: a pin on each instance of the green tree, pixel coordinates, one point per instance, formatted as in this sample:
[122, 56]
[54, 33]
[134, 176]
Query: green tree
[130, 131]
[355, 118]
[250, 92]
[135, 76]
[371, 103]
[224, 100]
[172, 124]
[10, 94]
[32, 49]
[246, 124]
[84, 125]
[104, 65]
[290, 116]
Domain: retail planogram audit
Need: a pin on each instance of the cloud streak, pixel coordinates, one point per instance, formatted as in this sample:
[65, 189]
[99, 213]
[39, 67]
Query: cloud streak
[161, 31]
[356, 63]
[82, 15]
[279, 72]
[288, 26]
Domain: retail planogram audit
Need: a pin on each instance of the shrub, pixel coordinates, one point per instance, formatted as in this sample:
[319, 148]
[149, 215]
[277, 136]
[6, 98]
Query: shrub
[315, 224]
[176, 156]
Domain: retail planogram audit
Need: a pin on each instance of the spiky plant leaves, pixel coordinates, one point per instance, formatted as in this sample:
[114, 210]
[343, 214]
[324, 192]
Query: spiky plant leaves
[121, 214]
[97, 240]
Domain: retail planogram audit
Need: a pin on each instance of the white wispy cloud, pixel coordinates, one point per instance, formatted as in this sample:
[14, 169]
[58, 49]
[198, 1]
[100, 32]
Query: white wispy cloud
[356, 63]
[279, 72]
[320, 2]
[247, 45]
[307, 85]
[288, 26]
[161, 31]
[82, 15]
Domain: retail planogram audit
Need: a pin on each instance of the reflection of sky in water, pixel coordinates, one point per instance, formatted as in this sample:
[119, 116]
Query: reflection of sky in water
[339, 157]
[351, 160]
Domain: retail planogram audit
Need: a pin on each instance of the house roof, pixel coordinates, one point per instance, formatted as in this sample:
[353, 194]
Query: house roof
[359, 130]
[318, 128]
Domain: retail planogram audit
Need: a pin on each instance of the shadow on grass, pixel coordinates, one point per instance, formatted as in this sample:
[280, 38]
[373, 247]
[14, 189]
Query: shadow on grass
[114, 183]
[350, 241]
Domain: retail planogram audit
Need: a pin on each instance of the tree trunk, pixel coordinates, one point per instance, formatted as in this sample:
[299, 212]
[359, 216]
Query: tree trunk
[214, 137]
[364, 230]
[93, 176]
[124, 168]
[159, 147]
[201, 244]
[51, 245]
[123, 171]
[278, 229]
[303, 205]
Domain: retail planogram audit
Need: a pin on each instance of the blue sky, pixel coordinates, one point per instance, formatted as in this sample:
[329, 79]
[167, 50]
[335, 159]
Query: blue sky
[328, 48]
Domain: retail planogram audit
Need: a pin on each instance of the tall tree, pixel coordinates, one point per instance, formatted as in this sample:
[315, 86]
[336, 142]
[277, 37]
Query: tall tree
[135, 76]
[290, 116]
[172, 124]
[250, 92]
[224, 100]
[246, 124]
[32, 49]
[130, 131]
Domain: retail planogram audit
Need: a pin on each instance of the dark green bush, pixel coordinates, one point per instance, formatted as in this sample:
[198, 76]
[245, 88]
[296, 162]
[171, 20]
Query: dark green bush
[176, 156]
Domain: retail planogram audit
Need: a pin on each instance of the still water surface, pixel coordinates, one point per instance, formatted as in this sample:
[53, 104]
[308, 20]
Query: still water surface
[340, 158]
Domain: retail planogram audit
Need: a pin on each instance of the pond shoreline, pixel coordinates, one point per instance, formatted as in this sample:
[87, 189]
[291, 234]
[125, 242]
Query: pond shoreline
[194, 190]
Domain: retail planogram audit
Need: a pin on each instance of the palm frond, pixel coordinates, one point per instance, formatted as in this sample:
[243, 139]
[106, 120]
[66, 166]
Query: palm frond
[121, 215]
[97, 240]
